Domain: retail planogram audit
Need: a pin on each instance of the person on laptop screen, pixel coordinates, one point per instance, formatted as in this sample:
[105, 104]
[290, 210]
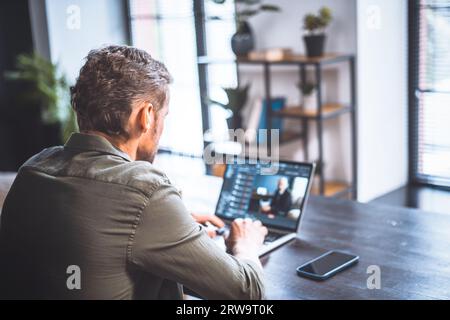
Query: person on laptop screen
[94, 219]
[282, 199]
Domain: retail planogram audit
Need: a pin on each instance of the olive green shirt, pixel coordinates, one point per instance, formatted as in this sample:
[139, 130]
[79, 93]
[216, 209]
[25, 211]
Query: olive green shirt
[120, 224]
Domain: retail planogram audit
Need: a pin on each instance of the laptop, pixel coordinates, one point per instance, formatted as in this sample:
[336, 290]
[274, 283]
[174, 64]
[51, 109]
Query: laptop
[275, 197]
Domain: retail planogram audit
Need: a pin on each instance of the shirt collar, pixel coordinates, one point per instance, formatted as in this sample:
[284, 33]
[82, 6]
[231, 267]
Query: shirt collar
[92, 142]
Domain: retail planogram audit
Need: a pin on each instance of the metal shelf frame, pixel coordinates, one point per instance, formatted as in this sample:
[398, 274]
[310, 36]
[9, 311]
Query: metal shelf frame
[320, 116]
[317, 65]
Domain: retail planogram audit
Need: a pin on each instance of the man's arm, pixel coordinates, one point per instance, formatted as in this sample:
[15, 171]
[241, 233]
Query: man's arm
[170, 244]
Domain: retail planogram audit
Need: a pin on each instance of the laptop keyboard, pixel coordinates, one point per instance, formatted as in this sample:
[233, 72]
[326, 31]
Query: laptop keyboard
[272, 236]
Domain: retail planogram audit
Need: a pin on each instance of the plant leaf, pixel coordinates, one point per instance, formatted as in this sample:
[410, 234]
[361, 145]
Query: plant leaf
[269, 7]
[47, 87]
[248, 12]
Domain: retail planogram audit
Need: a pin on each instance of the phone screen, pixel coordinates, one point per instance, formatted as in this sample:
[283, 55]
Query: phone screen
[328, 262]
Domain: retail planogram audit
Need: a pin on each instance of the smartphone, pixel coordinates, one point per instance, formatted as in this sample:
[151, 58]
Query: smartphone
[327, 265]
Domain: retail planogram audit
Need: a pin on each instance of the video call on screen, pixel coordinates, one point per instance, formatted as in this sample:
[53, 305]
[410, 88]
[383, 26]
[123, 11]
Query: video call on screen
[276, 200]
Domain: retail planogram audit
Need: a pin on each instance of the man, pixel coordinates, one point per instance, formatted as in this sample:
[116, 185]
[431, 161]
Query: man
[282, 200]
[95, 220]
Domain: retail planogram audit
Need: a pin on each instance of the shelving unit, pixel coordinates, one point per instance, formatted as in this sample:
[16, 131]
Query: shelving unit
[324, 112]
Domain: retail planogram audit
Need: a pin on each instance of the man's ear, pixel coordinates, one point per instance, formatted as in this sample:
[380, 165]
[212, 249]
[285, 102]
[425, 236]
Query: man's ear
[146, 116]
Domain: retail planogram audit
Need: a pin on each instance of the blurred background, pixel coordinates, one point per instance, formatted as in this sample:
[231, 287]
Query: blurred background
[362, 87]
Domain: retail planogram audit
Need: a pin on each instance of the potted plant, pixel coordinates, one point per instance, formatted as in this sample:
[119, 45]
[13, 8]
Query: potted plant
[242, 42]
[314, 26]
[237, 98]
[47, 89]
[309, 96]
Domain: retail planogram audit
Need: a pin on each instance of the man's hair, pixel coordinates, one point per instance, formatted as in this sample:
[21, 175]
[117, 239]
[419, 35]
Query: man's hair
[111, 80]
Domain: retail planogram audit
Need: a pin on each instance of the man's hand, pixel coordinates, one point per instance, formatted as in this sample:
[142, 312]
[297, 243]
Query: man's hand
[246, 238]
[211, 222]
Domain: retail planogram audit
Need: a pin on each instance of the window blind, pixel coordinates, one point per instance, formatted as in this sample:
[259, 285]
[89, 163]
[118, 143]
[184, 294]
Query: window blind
[431, 140]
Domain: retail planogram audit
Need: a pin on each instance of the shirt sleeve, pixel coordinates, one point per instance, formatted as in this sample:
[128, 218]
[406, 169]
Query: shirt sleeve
[170, 244]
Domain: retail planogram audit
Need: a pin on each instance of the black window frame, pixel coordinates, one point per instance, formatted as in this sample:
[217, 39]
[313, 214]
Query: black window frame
[413, 101]
[413, 81]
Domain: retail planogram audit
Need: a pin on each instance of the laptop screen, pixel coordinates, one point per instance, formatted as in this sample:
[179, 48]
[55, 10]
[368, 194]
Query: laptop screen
[276, 200]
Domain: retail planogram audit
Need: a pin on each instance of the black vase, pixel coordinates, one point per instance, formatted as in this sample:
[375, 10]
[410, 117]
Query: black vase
[315, 45]
[242, 42]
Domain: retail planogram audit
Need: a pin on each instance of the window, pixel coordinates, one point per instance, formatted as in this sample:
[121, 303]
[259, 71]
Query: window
[167, 30]
[219, 28]
[430, 96]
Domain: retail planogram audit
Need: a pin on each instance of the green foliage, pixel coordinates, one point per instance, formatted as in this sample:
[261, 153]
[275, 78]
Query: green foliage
[237, 98]
[249, 8]
[306, 88]
[325, 17]
[312, 22]
[47, 88]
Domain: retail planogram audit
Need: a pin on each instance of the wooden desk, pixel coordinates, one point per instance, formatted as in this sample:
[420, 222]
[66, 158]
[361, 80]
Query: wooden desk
[411, 247]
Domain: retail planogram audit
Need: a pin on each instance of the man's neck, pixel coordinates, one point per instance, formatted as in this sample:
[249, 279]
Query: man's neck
[129, 146]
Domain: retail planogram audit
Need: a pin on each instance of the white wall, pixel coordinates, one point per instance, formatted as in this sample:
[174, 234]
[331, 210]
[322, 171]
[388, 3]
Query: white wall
[381, 82]
[101, 22]
[284, 29]
[382, 96]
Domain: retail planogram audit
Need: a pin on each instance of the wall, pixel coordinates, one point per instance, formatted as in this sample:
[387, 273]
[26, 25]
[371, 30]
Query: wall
[284, 29]
[101, 22]
[381, 83]
[382, 96]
